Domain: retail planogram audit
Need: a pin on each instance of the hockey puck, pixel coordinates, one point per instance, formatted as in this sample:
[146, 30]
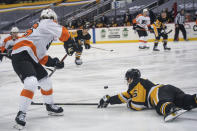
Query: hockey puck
[105, 87]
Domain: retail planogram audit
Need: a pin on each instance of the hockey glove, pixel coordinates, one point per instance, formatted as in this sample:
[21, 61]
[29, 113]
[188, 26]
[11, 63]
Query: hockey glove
[71, 46]
[87, 46]
[134, 26]
[103, 103]
[58, 64]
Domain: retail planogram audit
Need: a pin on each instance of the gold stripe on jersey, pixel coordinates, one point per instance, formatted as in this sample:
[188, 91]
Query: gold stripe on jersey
[155, 30]
[126, 94]
[159, 24]
[122, 98]
[163, 108]
[73, 34]
[153, 96]
[136, 107]
[87, 41]
[138, 93]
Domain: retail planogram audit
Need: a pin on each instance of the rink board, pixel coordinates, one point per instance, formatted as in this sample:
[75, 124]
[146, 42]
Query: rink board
[128, 35]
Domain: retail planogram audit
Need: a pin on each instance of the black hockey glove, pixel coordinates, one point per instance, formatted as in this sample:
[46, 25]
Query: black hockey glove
[103, 103]
[54, 62]
[87, 46]
[71, 46]
[58, 64]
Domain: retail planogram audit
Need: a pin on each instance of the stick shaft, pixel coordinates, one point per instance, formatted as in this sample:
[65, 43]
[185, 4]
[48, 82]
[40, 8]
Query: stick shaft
[80, 104]
[101, 49]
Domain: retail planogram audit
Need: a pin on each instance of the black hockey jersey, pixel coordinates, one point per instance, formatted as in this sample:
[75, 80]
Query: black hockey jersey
[142, 92]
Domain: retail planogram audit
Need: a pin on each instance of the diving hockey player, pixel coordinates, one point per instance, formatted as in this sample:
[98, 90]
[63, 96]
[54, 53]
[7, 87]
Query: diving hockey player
[29, 53]
[142, 93]
[142, 23]
[80, 37]
[8, 42]
[159, 28]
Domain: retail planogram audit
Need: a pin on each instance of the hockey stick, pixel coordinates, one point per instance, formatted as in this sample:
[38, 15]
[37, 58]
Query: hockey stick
[32, 14]
[52, 72]
[102, 49]
[78, 104]
[169, 31]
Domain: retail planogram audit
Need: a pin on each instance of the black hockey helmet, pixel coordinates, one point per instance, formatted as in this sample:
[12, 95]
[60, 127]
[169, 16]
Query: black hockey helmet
[133, 74]
[86, 26]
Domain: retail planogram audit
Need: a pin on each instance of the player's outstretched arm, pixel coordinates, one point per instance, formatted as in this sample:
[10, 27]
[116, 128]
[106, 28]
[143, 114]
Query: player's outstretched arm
[116, 99]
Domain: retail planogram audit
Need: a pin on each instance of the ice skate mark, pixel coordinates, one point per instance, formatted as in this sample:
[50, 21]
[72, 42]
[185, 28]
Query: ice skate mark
[187, 118]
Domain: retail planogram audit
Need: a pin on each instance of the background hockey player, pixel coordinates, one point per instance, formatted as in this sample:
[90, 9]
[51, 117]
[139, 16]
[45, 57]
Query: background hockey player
[9, 41]
[142, 93]
[27, 56]
[179, 25]
[80, 37]
[142, 23]
[160, 31]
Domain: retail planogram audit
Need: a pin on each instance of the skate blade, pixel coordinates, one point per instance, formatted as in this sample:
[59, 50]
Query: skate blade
[174, 116]
[18, 127]
[55, 114]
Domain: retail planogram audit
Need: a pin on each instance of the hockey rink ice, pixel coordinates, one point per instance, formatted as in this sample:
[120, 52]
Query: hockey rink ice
[85, 84]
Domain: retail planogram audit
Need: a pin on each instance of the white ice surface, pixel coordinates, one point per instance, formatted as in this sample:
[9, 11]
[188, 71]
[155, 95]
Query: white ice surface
[85, 84]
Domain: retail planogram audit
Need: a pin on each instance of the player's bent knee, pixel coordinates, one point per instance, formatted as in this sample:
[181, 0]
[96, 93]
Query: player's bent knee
[30, 83]
[164, 107]
[45, 83]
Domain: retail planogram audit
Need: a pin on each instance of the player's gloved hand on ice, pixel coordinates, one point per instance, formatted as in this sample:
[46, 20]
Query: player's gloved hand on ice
[58, 64]
[87, 46]
[103, 103]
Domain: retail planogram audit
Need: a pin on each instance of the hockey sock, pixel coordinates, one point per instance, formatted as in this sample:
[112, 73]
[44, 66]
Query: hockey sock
[46, 90]
[30, 84]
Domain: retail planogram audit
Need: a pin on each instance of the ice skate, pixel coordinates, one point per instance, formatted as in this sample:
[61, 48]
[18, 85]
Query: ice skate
[54, 110]
[176, 112]
[20, 121]
[78, 61]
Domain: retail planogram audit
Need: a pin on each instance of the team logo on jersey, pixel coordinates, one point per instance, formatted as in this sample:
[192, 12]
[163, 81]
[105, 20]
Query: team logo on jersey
[135, 93]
